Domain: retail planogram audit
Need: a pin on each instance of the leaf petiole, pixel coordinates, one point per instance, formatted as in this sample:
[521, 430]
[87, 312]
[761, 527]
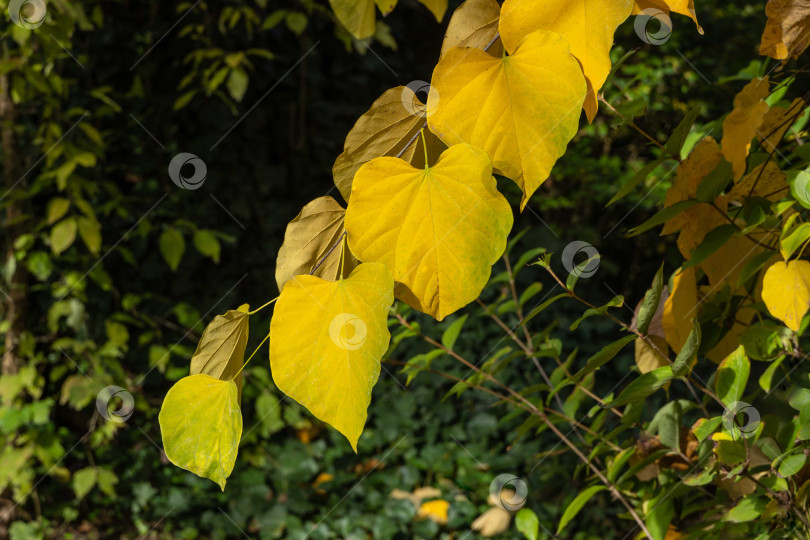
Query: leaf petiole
[251, 357]
[262, 307]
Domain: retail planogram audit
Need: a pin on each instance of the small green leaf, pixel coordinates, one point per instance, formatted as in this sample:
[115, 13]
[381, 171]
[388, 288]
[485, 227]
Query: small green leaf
[63, 234]
[792, 242]
[637, 179]
[767, 377]
[748, 509]
[450, 335]
[645, 385]
[57, 208]
[703, 428]
[201, 424]
[663, 216]
[732, 376]
[84, 480]
[602, 357]
[90, 231]
[238, 83]
[683, 362]
[616, 301]
[576, 505]
[207, 244]
[526, 522]
[650, 303]
[676, 141]
[765, 341]
[536, 311]
[792, 465]
[172, 246]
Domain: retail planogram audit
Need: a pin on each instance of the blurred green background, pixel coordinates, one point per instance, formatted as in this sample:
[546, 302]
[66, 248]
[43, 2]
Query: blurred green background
[97, 102]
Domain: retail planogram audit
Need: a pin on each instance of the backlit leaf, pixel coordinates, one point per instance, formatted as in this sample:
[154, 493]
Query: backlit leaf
[201, 424]
[787, 33]
[474, 24]
[326, 342]
[532, 97]
[172, 246]
[680, 308]
[588, 25]
[439, 230]
[786, 291]
[684, 7]
[358, 15]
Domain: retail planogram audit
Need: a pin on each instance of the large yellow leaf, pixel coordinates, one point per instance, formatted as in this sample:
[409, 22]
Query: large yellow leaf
[392, 122]
[358, 15]
[588, 25]
[786, 291]
[741, 125]
[201, 424]
[308, 239]
[684, 7]
[221, 350]
[680, 308]
[787, 33]
[438, 229]
[474, 24]
[769, 183]
[522, 110]
[326, 341]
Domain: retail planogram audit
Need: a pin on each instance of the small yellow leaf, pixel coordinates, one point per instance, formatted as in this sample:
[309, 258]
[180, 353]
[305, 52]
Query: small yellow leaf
[221, 350]
[683, 7]
[308, 239]
[434, 510]
[786, 291]
[647, 358]
[201, 424]
[474, 24]
[787, 33]
[358, 15]
[437, 7]
[527, 105]
[680, 308]
[742, 124]
[392, 122]
[588, 25]
[326, 342]
[438, 230]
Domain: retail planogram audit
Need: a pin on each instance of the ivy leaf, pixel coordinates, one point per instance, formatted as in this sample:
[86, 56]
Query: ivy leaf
[474, 24]
[221, 350]
[741, 125]
[326, 342]
[63, 234]
[316, 229]
[438, 230]
[588, 25]
[786, 291]
[787, 32]
[172, 247]
[201, 424]
[532, 97]
[384, 130]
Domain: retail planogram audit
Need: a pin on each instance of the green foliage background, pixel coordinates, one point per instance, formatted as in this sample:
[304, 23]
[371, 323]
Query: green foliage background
[120, 315]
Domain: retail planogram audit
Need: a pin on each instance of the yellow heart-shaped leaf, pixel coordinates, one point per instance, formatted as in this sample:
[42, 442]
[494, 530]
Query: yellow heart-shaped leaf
[588, 25]
[326, 342]
[438, 230]
[786, 291]
[201, 424]
[522, 110]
